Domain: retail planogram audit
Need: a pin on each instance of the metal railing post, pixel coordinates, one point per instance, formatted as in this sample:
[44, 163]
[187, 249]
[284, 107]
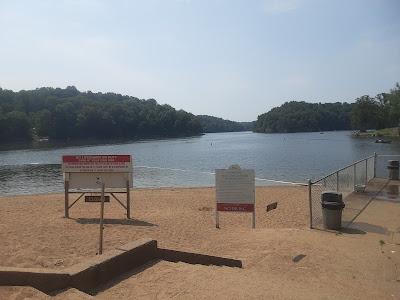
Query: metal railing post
[355, 177]
[310, 202]
[366, 172]
[66, 199]
[337, 181]
[128, 200]
[375, 157]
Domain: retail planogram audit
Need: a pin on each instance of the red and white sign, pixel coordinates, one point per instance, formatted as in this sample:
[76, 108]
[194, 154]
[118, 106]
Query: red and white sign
[235, 207]
[235, 189]
[88, 171]
[96, 163]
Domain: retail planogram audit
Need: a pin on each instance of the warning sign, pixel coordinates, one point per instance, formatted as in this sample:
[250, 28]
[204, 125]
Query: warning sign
[96, 163]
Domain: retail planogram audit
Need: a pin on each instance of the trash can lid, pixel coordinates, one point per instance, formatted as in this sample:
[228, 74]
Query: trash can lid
[331, 196]
[333, 205]
[393, 163]
[390, 167]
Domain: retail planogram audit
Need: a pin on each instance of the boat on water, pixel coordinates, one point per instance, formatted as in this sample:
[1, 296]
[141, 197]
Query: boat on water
[381, 141]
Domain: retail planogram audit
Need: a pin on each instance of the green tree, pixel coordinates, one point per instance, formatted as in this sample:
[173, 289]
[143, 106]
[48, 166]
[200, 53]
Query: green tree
[42, 122]
[367, 114]
[15, 125]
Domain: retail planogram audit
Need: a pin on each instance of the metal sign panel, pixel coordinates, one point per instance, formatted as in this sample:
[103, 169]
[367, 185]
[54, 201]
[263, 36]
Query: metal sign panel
[235, 189]
[96, 163]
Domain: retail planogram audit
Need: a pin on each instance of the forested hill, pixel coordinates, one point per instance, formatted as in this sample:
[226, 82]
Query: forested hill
[214, 124]
[63, 114]
[302, 117]
[381, 111]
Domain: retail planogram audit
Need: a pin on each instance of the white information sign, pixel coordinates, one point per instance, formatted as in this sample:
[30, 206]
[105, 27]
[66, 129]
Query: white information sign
[235, 189]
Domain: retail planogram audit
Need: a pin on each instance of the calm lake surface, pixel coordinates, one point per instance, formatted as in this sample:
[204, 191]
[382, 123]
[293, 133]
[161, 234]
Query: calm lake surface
[190, 161]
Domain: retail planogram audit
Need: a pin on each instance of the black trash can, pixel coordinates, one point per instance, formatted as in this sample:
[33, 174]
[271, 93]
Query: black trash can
[332, 207]
[393, 167]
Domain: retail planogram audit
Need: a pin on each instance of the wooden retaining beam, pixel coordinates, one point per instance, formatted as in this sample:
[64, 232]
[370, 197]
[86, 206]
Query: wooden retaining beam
[197, 258]
[45, 280]
[101, 269]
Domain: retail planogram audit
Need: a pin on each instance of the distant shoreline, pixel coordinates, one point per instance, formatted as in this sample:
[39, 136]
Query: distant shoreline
[393, 132]
[19, 145]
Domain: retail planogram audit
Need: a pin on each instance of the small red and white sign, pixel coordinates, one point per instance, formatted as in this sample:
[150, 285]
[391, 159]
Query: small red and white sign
[96, 163]
[235, 189]
[235, 207]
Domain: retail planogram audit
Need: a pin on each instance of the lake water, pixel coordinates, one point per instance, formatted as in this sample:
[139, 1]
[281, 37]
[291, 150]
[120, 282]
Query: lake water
[186, 162]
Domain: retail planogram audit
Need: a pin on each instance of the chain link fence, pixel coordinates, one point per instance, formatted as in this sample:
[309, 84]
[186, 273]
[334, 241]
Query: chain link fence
[345, 181]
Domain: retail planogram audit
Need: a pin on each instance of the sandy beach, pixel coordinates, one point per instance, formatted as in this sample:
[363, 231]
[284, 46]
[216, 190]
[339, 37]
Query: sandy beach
[282, 258]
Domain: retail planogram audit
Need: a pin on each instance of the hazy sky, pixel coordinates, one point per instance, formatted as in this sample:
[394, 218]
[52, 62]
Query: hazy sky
[228, 58]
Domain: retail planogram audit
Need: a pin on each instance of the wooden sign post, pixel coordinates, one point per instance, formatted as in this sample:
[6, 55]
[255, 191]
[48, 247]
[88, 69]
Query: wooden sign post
[235, 192]
[101, 218]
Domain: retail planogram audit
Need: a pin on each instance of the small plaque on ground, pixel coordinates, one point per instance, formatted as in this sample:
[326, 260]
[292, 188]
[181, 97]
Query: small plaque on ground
[272, 206]
[96, 198]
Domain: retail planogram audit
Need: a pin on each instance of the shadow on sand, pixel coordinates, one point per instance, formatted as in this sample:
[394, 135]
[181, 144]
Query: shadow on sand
[366, 227]
[349, 230]
[131, 222]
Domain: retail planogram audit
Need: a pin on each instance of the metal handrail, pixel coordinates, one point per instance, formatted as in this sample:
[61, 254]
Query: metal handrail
[350, 165]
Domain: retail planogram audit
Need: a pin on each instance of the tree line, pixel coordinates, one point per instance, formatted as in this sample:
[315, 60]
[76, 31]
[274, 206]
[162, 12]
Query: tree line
[303, 117]
[215, 124]
[64, 114]
[67, 114]
[382, 111]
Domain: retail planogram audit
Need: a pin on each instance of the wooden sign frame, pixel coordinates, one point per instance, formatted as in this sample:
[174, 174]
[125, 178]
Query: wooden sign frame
[97, 170]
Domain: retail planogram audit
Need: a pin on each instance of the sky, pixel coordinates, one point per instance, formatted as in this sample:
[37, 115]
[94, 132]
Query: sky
[233, 59]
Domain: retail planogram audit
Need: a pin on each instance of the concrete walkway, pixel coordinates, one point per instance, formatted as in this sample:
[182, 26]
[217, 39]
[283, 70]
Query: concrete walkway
[377, 212]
